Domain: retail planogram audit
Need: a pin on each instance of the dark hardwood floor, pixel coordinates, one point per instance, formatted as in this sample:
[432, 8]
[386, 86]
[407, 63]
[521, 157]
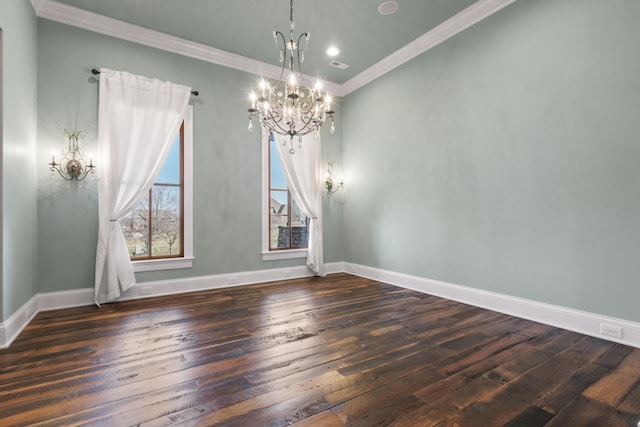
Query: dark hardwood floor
[331, 351]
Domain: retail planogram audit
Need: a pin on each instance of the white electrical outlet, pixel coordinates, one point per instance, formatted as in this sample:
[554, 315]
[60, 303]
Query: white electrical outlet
[610, 331]
[145, 290]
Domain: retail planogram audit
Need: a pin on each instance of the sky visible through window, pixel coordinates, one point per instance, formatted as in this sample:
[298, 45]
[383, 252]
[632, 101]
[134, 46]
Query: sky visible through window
[170, 173]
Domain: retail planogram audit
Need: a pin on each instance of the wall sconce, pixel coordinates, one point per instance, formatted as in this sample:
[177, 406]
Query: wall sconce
[331, 187]
[75, 167]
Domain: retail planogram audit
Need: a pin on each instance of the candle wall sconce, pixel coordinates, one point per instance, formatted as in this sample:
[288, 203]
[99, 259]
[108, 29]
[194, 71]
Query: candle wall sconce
[72, 166]
[330, 182]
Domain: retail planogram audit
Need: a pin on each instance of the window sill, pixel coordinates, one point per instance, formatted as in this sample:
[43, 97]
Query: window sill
[162, 264]
[286, 254]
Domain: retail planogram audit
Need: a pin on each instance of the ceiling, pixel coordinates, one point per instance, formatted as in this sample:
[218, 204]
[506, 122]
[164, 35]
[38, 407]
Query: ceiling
[239, 33]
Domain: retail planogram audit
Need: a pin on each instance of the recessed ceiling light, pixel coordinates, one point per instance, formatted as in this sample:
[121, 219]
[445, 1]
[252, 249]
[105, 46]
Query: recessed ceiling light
[333, 51]
[387, 7]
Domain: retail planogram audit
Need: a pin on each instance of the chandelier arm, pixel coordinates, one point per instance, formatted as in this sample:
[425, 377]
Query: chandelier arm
[284, 60]
[306, 123]
[273, 115]
[275, 121]
[298, 58]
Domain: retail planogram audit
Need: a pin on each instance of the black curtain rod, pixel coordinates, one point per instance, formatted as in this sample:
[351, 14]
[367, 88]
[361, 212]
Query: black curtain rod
[95, 71]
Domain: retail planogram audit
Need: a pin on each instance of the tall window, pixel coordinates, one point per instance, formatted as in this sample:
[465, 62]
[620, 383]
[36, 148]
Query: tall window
[155, 228]
[288, 227]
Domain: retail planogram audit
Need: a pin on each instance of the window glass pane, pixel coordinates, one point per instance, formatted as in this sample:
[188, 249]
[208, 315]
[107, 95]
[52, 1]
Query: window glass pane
[299, 230]
[170, 173]
[279, 230]
[165, 220]
[135, 227]
[287, 225]
[277, 173]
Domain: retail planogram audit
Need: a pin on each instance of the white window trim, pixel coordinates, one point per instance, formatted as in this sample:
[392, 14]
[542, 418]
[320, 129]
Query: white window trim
[187, 260]
[268, 255]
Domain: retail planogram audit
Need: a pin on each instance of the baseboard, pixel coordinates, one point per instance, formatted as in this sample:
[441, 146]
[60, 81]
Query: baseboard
[574, 320]
[10, 329]
[566, 318]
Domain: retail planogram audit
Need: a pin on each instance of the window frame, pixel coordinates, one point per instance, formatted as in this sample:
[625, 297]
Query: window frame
[186, 260]
[267, 253]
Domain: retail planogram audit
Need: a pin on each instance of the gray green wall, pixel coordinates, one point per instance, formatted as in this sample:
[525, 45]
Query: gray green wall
[506, 159]
[19, 62]
[227, 187]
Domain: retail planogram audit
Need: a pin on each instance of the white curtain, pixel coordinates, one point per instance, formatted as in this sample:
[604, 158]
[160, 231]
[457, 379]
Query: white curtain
[302, 171]
[138, 120]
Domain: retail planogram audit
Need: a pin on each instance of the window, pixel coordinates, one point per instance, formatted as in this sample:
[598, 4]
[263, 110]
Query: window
[159, 230]
[285, 228]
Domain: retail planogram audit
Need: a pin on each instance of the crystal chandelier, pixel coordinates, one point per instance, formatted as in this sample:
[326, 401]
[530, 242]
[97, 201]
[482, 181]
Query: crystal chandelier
[72, 166]
[290, 107]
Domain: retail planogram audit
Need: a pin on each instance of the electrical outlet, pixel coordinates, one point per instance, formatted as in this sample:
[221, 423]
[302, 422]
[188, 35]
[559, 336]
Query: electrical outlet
[233, 280]
[145, 290]
[610, 331]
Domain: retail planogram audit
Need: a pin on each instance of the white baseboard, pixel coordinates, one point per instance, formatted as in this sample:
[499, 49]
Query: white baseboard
[574, 320]
[10, 329]
[566, 318]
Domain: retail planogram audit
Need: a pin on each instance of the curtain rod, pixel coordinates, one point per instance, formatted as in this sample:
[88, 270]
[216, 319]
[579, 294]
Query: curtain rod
[95, 71]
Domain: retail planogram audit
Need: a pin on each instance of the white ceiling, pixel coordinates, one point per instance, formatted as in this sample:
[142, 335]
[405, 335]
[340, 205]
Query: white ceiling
[238, 33]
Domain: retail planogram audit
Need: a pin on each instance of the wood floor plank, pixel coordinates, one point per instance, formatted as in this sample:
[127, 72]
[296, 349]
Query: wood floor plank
[612, 388]
[521, 383]
[590, 413]
[333, 351]
[324, 419]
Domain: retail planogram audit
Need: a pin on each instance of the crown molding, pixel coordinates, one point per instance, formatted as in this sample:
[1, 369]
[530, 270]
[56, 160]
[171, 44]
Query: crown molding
[80, 18]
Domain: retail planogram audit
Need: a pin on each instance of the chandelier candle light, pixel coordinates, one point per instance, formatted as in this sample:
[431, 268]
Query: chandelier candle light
[75, 167]
[290, 107]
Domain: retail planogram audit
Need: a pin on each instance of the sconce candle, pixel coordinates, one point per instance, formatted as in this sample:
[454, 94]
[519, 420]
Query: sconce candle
[75, 167]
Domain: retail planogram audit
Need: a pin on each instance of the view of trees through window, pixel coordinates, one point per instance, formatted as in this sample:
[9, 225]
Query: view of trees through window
[155, 227]
[288, 226]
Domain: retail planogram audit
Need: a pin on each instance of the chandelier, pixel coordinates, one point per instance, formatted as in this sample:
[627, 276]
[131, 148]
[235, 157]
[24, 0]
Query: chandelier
[72, 166]
[290, 107]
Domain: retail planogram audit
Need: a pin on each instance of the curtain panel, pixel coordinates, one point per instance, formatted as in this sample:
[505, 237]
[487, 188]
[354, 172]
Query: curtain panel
[138, 119]
[302, 171]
